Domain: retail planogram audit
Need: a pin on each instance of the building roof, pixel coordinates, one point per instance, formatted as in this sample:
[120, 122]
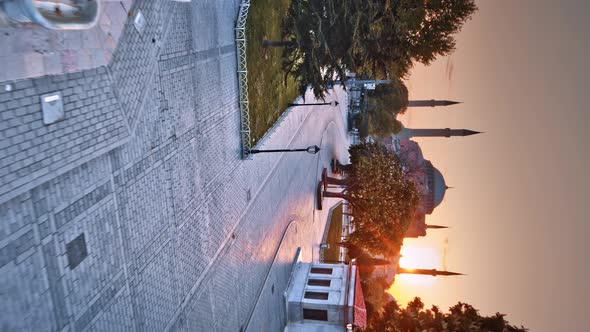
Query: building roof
[436, 187]
[440, 187]
[360, 310]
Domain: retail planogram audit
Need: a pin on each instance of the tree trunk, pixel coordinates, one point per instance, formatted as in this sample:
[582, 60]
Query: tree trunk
[348, 245]
[347, 167]
[379, 261]
[276, 43]
[332, 180]
[336, 195]
[342, 168]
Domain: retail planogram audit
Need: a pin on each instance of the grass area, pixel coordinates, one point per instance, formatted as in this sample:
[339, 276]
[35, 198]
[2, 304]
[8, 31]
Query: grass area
[334, 236]
[268, 92]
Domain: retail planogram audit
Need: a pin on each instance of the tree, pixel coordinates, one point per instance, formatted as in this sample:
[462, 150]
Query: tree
[380, 124]
[383, 200]
[375, 295]
[461, 317]
[319, 43]
[382, 38]
[391, 97]
[365, 262]
[402, 32]
[384, 103]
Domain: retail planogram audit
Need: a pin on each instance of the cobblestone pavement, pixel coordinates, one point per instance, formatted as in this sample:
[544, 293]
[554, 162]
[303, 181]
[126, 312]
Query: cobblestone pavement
[136, 213]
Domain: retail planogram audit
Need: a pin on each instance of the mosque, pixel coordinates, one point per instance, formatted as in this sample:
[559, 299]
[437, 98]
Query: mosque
[428, 179]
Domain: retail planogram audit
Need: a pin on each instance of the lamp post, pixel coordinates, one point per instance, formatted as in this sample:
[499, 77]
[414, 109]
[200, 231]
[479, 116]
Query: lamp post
[332, 103]
[312, 149]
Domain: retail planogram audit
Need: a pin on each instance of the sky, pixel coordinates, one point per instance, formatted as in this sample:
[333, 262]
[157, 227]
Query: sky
[518, 210]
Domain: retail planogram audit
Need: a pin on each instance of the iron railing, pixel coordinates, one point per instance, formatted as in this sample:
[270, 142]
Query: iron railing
[243, 79]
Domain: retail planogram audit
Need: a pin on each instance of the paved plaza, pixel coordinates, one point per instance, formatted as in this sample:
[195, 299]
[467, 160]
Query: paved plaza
[30, 50]
[136, 211]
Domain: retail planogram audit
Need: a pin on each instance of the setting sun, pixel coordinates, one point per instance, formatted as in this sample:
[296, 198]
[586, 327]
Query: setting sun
[414, 257]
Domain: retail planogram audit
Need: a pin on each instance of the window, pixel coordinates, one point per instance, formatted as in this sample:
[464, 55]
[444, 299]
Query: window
[316, 295]
[321, 270]
[315, 314]
[319, 282]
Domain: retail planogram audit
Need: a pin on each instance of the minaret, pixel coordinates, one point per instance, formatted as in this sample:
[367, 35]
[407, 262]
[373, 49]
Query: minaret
[429, 272]
[443, 132]
[435, 227]
[431, 103]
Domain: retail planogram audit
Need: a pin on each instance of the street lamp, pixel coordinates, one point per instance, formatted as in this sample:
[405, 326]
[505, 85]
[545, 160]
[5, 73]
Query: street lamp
[332, 103]
[312, 149]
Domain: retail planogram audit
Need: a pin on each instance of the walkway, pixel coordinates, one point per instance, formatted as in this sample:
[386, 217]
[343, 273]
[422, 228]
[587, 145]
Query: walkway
[142, 185]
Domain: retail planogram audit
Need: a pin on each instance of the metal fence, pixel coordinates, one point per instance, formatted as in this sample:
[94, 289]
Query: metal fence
[243, 78]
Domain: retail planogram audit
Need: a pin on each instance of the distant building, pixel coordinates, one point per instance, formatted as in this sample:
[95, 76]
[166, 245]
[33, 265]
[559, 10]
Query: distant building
[431, 103]
[325, 297]
[428, 180]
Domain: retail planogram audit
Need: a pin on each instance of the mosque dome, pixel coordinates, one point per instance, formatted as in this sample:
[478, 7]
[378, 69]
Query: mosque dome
[436, 187]
[440, 187]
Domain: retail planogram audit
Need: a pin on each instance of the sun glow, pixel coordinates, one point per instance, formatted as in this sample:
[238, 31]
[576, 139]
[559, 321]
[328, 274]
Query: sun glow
[418, 258]
[414, 257]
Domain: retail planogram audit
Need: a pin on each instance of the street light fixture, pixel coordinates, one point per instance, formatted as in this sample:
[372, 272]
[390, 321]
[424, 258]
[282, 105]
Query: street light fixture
[332, 103]
[312, 149]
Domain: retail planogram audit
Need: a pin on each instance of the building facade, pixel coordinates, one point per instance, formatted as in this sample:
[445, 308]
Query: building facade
[324, 297]
[428, 180]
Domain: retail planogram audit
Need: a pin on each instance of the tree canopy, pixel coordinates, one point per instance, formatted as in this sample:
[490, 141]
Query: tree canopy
[461, 317]
[391, 97]
[384, 103]
[380, 37]
[383, 199]
[318, 33]
[375, 294]
[396, 33]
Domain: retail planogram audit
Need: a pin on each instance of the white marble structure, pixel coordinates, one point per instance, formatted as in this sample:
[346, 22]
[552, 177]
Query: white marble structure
[324, 297]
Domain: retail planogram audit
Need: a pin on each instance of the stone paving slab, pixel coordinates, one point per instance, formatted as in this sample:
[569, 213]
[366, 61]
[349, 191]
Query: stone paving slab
[180, 233]
[257, 236]
[29, 50]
